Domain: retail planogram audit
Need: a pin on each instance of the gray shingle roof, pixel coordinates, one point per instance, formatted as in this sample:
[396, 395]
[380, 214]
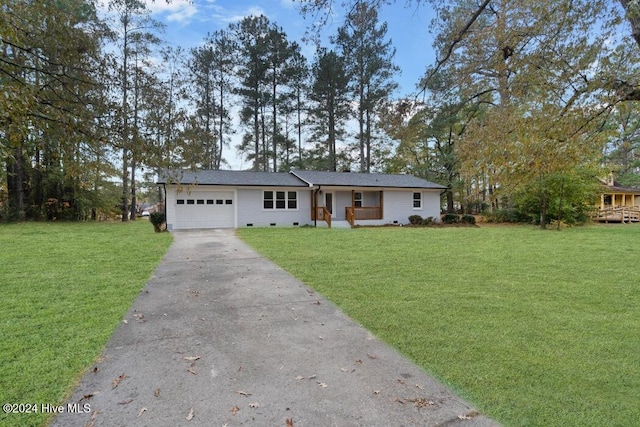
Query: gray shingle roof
[294, 179]
[351, 179]
[240, 178]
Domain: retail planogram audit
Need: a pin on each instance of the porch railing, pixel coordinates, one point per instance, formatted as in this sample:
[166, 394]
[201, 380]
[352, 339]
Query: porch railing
[352, 214]
[618, 214]
[323, 214]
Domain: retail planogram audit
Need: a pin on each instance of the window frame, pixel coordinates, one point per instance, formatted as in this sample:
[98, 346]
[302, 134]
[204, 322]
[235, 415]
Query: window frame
[419, 200]
[280, 200]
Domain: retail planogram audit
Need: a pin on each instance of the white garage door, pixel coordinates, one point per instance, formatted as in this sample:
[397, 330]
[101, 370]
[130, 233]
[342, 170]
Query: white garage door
[213, 209]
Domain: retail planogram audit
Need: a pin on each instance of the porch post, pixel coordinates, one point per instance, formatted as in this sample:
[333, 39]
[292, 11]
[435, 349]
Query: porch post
[381, 204]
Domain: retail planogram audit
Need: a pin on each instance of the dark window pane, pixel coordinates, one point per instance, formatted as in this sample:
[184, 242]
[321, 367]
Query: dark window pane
[190, 201]
[228, 202]
[180, 201]
[268, 204]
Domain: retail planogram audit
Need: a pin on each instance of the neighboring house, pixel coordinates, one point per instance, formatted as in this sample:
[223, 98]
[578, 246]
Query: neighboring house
[232, 199]
[618, 203]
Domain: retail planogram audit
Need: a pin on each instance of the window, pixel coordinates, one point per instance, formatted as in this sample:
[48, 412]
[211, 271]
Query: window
[292, 200]
[267, 201]
[190, 201]
[357, 200]
[180, 201]
[417, 200]
[209, 201]
[280, 200]
[228, 201]
[201, 201]
[219, 201]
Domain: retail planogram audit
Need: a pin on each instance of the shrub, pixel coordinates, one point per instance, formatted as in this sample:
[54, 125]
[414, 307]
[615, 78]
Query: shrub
[415, 219]
[468, 219]
[157, 219]
[428, 221]
[451, 218]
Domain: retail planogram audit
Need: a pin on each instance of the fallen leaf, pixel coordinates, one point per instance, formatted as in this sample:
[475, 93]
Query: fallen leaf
[191, 358]
[401, 381]
[95, 369]
[190, 414]
[323, 385]
[313, 377]
[125, 402]
[372, 356]
[92, 420]
[396, 399]
[243, 393]
[469, 416]
[419, 386]
[117, 380]
[142, 410]
[421, 402]
[139, 317]
[344, 369]
[253, 405]
[87, 396]
[289, 422]
[157, 393]
[125, 321]
[192, 371]
[299, 377]
[234, 410]
[376, 391]
[321, 337]
[359, 361]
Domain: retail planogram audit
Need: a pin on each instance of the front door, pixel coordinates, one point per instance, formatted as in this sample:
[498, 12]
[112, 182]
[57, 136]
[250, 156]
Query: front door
[328, 203]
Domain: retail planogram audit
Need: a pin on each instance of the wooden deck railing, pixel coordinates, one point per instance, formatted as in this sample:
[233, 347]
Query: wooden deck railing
[618, 214]
[352, 214]
[323, 214]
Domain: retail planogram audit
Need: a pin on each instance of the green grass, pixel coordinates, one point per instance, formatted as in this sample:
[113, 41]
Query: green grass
[536, 328]
[65, 287]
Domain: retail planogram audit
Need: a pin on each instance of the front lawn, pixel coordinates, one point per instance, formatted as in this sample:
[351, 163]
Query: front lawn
[65, 288]
[536, 328]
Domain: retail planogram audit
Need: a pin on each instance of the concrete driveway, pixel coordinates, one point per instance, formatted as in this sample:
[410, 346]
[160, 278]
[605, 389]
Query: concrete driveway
[220, 336]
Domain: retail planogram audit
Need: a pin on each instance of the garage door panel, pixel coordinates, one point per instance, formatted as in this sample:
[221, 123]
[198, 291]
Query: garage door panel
[205, 210]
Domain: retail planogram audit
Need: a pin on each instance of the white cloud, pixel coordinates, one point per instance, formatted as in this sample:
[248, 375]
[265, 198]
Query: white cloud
[176, 11]
[232, 16]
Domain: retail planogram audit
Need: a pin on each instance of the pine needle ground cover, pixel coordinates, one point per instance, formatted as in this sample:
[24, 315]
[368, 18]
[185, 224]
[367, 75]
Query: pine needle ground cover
[536, 328]
[65, 288]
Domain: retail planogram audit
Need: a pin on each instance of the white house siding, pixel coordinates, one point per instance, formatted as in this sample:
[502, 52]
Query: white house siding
[251, 211]
[201, 207]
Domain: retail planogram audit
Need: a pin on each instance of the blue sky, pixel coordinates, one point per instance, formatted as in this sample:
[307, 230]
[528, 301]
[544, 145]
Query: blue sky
[189, 22]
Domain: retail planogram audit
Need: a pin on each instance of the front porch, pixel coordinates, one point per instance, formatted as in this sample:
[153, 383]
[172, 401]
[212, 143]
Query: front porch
[618, 206]
[352, 206]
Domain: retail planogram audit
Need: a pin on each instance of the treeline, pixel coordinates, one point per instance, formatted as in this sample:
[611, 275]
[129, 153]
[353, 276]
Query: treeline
[526, 105]
[92, 98]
